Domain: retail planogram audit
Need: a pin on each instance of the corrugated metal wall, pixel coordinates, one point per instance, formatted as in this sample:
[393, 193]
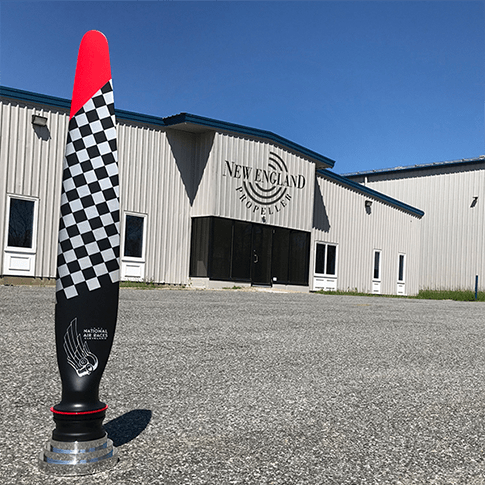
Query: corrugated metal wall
[155, 178]
[218, 195]
[453, 230]
[340, 217]
[170, 175]
[31, 165]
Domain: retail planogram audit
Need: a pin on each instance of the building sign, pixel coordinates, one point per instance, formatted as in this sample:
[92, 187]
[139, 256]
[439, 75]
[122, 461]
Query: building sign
[265, 190]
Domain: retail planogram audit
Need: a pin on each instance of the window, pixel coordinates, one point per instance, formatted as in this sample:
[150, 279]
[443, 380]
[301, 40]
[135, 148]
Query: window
[134, 236]
[221, 249]
[226, 249]
[401, 268]
[199, 255]
[280, 255]
[262, 246]
[298, 257]
[241, 251]
[326, 259]
[21, 223]
[331, 259]
[377, 264]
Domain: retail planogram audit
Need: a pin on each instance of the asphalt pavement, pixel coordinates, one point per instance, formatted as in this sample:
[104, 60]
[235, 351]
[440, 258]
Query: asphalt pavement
[255, 387]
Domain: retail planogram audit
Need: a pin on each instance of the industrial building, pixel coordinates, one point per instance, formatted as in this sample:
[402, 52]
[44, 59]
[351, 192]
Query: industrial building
[452, 194]
[209, 203]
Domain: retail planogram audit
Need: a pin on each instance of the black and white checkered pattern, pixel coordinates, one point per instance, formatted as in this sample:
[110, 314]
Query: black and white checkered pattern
[89, 233]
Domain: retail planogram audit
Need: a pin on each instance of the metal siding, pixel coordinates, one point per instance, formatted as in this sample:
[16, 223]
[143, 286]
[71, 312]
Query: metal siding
[49, 189]
[358, 233]
[5, 111]
[150, 180]
[163, 171]
[32, 166]
[203, 204]
[151, 183]
[453, 234]
[217, 194]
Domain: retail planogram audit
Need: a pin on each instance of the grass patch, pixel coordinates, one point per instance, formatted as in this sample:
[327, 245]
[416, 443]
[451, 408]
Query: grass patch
[456, 295]
[148, 285]
[232, 288]
[141, 285]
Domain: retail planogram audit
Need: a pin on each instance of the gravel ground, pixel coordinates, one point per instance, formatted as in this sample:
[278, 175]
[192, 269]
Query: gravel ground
[252, 387]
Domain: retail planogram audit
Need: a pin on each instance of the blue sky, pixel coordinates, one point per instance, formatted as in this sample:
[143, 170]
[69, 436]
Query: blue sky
[369, 84]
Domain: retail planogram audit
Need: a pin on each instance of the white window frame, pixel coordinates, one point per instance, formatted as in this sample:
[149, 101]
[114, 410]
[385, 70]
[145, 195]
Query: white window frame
[379, 277]
[325, 281]
[326, 244]
[403, 269]
[144, 245]
[16, 249]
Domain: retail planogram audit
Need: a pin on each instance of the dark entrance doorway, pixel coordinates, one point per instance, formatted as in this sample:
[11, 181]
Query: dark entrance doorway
[261, 257]
[238, 251]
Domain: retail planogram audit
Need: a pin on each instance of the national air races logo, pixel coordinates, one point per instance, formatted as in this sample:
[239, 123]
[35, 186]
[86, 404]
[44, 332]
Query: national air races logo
[265, 190]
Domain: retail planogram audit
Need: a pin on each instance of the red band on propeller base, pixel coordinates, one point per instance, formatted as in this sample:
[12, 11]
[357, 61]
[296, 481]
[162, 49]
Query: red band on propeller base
[80, 412]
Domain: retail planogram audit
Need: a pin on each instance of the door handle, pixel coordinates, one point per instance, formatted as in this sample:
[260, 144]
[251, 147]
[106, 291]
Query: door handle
[256, 258]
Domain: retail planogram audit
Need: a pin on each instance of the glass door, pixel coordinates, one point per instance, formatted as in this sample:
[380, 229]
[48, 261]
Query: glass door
[261, 255]
[20, 251]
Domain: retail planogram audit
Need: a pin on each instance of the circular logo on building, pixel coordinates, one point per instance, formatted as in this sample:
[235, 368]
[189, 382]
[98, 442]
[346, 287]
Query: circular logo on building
[266, 187]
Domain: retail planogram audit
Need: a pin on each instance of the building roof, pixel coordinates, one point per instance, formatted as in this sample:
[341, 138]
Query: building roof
[182, 121]
[196, 123]
[342, 180]
[425, 166]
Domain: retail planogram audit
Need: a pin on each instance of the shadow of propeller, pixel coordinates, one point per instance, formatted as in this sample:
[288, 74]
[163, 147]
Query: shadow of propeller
[128, 426]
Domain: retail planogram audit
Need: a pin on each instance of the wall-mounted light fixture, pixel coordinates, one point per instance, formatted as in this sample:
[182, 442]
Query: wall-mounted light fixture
[474, 201]
[368, 203]
[39, 120]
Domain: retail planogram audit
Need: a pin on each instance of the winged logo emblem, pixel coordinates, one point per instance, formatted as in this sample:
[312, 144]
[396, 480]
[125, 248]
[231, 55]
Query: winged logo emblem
[79, 356]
